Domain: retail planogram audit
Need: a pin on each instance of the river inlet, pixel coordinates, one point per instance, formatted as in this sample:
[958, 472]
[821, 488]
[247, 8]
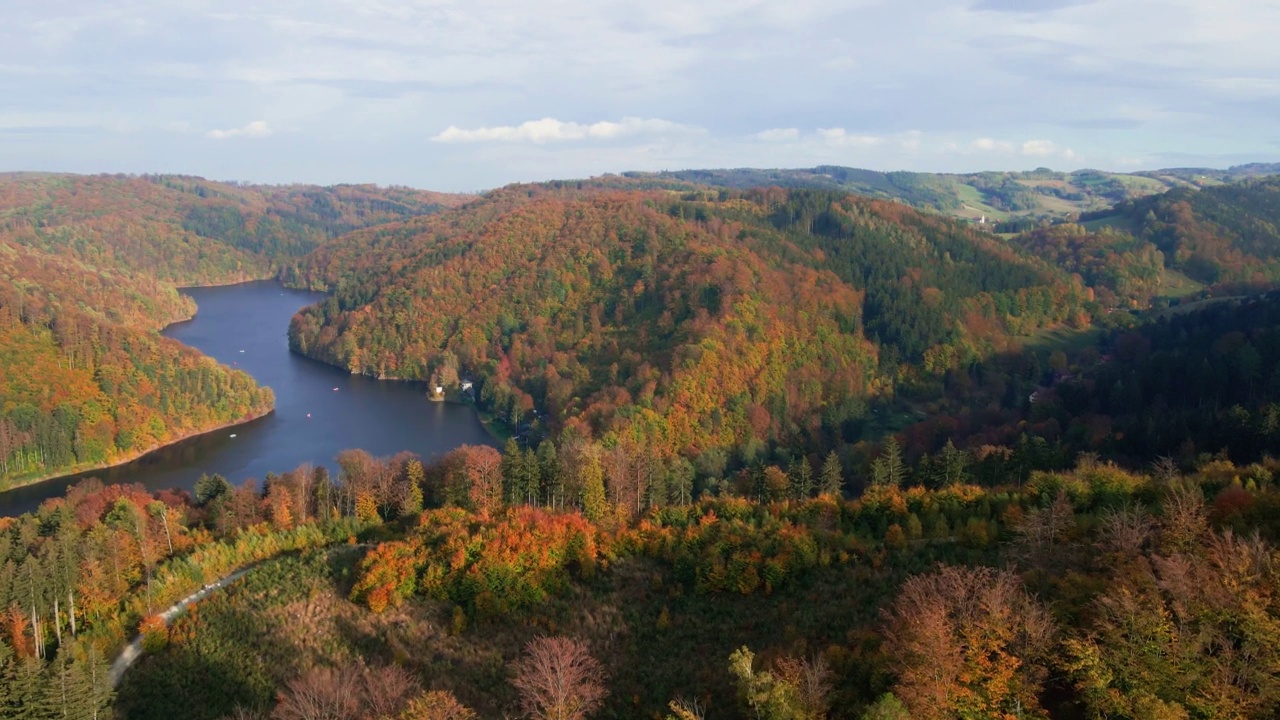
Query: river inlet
[320, 410]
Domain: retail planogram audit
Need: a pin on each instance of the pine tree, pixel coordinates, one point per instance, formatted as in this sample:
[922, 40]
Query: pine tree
[511, 458]
[954, 464]
[832, 476]
[680, 481]
[24, 684]
[530, 477]
[59, 689]
[801, 473]
[91, 692]
[6, 658]
[552, 479]
[889, 469]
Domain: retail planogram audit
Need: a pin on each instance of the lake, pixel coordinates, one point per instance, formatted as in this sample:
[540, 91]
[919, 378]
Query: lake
[320, 410]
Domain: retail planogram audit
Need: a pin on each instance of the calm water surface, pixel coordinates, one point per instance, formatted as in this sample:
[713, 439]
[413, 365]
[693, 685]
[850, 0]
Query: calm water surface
[320, 410]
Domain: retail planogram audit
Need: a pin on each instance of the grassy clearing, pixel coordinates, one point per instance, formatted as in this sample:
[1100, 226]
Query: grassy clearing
[1114, 222]
[975, 205]
[1067, 340]
[1174, 284]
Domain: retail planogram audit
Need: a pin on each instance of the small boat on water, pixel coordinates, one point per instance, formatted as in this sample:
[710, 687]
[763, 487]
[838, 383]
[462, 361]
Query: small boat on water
[233, 434]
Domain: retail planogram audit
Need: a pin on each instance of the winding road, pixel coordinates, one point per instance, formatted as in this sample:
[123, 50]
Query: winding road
[133, 650]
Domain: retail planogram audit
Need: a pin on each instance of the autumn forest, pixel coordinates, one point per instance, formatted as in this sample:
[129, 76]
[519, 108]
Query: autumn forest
[812, 448]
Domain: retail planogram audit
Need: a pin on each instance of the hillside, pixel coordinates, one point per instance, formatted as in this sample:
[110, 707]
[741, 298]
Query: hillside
[190, 231]
[678, 525]
[698, 322]
[1008, 198]
[1091, 591]
[88, 269]
[1227, 234]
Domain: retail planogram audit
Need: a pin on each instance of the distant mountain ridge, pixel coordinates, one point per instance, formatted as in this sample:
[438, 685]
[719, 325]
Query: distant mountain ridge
[993, 196]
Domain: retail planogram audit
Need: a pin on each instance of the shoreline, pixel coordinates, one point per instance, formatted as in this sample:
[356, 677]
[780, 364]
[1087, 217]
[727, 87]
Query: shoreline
[63, 474]
[486, 418]
[138, 455]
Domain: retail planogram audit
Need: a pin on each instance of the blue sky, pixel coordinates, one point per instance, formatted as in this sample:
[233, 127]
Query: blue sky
[470, 95]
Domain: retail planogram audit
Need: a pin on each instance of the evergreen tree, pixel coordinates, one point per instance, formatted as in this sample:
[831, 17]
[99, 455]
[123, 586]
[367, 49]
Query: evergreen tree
[551, 475]
[680, 481]
[889, 468]
[24, 685]
[801, 473]
[210, 487]
[6, 659]
[529, 477]
[323, 495]
[955, 464]
[511, 485]
[832, 476]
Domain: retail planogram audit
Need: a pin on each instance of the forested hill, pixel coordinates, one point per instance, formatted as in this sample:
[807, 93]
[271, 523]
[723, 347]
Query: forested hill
[695, 322]
[1224, 234]
[88, 268]
[188, 230]
[1041, 194]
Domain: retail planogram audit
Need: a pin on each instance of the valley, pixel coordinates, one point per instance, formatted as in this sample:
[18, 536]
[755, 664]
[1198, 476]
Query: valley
[764, 444]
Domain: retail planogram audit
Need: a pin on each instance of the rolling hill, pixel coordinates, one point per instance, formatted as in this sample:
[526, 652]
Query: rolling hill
[88, 269]
[1011, 198]
[702, 321]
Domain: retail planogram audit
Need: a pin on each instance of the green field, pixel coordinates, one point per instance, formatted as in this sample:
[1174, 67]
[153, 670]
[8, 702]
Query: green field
[1067, 340]
[1174, 284]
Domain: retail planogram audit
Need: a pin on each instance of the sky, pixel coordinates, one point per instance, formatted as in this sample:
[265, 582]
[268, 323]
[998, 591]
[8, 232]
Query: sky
[469, 95]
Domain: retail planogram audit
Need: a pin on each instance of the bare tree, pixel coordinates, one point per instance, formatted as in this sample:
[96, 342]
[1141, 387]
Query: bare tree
[1042, 535]
[321, 694]
[1126, 531]
[812, 681]
[387, 690]
[558, 679]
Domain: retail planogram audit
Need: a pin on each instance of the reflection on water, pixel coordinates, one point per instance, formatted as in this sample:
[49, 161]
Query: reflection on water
[320, 410]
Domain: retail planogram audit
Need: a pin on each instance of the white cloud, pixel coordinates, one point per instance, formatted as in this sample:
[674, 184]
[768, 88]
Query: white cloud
[779, 135]
[255, 129]
[990, 145]
[1039, 148]
[373, 80]
[840, 137]
[553, 130]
